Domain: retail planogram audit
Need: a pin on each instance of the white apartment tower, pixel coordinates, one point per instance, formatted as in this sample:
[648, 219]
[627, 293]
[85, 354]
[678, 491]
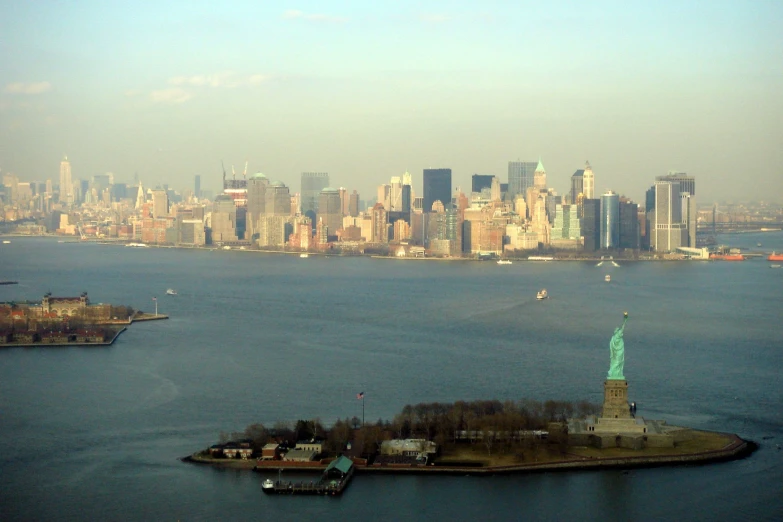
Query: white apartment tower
[66, 182]
[588, 182]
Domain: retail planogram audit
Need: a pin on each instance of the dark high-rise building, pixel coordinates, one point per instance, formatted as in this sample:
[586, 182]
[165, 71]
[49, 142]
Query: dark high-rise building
[629, 225]
[520, 177]
[577, 185]
[437, 187]
[406, 198]
[353, 204]
[591, 224]
[197, 188]
[481, 181]
[312, 185]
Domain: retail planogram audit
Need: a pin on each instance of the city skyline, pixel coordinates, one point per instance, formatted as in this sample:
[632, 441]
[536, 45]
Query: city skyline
[366, 92]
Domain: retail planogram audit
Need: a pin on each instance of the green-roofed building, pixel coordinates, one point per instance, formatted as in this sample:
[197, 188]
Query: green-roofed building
[339, 467]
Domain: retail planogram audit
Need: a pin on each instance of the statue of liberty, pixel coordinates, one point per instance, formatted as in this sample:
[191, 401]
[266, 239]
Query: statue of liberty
[617, 352]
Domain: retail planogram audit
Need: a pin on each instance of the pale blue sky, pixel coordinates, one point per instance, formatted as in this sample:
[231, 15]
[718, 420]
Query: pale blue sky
[365, 92]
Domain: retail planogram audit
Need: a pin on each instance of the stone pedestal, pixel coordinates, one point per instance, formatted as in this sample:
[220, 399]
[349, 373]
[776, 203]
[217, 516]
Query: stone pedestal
[616, 399]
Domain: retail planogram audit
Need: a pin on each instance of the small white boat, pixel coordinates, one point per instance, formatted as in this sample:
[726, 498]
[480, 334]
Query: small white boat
[6, 242]
[774, 266]
[171, 291]
[607, 278]
[504, 261]
[541, 295]
[268, 485]
[304, 255]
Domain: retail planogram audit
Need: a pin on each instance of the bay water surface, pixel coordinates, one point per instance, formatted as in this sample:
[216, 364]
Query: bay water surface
[96, 433]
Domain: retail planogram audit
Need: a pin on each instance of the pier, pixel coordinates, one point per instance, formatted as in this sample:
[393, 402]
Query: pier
[335, 479]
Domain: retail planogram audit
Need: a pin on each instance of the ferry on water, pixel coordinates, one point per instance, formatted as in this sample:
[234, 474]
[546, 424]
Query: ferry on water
[541, 295]
[504, 261]
[775, 257]
[607, 278]
[171, 291]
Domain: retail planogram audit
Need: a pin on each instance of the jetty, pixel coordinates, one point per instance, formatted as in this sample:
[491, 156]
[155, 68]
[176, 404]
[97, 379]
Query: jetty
[334, 480]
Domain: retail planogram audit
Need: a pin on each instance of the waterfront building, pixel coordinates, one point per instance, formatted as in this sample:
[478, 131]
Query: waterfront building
[402, 230]
[224, 219]
[66, 183]
[191, 232]
[687, 187]
[380, 224]
[591, 224]
[577, 186]
[330, 210]
[160, 203]
[629, 225]
[610, 221]
[520, 177]
[437, 187]
[668, 230]
[312, 185]
[588, 181]
[271, 231]
[566, 230]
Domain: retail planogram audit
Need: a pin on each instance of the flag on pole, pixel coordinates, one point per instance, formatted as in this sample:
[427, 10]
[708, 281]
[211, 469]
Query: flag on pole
[360, 395]
[154, 298]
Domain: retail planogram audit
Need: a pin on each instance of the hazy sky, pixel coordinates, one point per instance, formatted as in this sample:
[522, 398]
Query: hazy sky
[365, 92]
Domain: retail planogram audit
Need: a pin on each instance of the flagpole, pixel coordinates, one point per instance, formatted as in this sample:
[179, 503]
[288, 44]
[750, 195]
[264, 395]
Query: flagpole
[156, 305]
[362, 410]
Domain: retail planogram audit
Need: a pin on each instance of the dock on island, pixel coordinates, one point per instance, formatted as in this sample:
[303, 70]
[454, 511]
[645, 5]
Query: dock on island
[334, 480]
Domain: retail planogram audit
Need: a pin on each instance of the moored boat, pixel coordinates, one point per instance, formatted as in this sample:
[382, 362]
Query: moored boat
[727, 257]
[775, 257]
[304, 255]
[775, 266]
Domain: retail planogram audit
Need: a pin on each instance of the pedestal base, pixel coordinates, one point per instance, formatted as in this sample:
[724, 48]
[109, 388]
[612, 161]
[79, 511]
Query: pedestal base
[616, 399]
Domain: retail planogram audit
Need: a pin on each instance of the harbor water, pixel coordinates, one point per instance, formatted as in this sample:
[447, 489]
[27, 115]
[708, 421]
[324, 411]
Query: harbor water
[97, 433]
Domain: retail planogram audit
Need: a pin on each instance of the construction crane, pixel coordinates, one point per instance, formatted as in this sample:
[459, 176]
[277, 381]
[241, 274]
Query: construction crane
[244, 174]
[224, 173]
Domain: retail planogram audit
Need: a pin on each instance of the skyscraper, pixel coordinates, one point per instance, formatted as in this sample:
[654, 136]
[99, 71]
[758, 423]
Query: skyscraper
[591, 224]
[520, 177]
[197, 188]
[160, 203]
[437, 187]
[539, 176]
[312, 185]
[668, 230]
[629, 225]
[330, 210]
[577, 186]
[610, 221]
[588, 181]
[395, 194]
[256, 201]
[687, 187]
[480, 181]
[66, 182]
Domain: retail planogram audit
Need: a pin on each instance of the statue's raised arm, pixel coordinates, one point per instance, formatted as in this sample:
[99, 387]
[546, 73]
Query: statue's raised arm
[617, 352]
